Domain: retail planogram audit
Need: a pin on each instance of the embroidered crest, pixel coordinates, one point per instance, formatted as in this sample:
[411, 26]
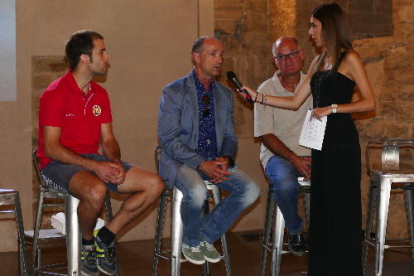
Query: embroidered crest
[96, 110]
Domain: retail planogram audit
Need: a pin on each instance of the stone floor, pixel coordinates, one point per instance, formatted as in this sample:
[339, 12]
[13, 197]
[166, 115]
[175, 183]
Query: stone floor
[245, 250]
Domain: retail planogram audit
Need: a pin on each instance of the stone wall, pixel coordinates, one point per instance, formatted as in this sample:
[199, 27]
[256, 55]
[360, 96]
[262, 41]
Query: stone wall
[382, 33]
[241, 25]
[389, 64]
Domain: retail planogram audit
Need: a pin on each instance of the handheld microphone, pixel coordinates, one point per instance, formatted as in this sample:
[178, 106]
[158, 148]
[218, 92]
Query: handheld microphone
[231, 76]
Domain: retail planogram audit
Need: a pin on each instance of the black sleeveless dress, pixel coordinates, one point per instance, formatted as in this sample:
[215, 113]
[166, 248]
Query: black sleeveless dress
[335, 224]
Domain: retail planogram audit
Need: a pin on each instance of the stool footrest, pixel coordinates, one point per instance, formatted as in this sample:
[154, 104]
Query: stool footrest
[42, 270]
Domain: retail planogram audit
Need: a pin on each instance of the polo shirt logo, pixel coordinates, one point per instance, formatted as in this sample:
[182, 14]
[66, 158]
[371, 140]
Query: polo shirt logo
[96, 110]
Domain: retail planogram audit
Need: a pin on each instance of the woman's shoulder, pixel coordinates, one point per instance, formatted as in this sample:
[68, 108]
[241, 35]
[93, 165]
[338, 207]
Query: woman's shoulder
[351, 63]
[351, 56]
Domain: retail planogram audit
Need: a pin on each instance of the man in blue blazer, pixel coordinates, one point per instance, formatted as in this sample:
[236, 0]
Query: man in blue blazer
[196, 132]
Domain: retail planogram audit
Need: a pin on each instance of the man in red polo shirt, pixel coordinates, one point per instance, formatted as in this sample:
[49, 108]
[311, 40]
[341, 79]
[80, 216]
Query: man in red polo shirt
[74, 120]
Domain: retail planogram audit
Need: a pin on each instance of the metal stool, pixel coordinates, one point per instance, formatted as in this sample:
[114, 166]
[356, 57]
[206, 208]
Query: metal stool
[278, 229]
[382, 181]
[174, 256]
[73, 235]
[11, 197]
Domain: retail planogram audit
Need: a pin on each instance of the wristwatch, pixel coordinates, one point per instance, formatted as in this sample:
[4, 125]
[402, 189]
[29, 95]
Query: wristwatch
[334, 108]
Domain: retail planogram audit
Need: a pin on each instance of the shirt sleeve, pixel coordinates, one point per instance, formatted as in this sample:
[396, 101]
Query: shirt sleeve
[51, 109]
[263, 116]
[106, 109]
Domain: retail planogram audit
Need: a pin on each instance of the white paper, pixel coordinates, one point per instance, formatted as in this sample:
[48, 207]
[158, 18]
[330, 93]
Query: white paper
[58, 222]
[45, 233]
[313, 131]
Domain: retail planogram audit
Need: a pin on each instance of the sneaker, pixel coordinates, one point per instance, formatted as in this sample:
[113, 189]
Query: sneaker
[297, 244]
[209, 252]
[105, 257]
[193, 254]
[88, 261]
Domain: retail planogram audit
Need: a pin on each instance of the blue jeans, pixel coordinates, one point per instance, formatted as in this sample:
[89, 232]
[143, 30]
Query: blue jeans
[243, 192]
[284, 181]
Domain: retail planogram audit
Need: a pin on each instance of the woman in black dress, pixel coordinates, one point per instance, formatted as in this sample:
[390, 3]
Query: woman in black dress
[335, 228]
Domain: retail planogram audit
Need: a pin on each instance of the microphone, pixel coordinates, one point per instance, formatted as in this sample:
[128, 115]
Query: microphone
[231, 76]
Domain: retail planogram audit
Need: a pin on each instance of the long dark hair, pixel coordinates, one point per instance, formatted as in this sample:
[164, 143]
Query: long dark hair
[334, 30]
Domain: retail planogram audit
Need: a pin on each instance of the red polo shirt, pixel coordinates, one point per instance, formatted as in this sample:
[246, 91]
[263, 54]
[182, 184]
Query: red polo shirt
[78, 115]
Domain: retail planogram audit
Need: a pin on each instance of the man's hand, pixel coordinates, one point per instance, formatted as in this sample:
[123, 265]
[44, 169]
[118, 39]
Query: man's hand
[216, 170]
[120, 178]
[303, 166]
[109, 172]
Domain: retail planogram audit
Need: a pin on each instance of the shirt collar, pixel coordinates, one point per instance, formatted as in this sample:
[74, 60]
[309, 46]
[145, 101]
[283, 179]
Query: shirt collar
[70, 79]
[198, 83]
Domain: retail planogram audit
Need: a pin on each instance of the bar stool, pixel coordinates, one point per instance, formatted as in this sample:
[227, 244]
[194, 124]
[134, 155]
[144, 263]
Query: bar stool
[12, 198]
[174, 256]
[390, 176]
[73, 235]
[276, 247]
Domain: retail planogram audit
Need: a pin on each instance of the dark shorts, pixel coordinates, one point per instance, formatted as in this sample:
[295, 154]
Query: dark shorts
[57, 175]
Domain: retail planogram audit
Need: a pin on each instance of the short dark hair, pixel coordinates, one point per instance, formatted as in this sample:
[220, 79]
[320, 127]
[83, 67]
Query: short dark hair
[198, 44]
[78, 44]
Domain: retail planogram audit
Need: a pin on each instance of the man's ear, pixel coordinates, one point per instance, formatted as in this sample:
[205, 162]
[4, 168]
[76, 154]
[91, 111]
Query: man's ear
[85, 58]
[302, 54]
[195, 56]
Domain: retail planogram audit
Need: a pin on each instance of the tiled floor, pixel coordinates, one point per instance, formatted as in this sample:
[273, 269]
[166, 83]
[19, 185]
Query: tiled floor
[245, 251]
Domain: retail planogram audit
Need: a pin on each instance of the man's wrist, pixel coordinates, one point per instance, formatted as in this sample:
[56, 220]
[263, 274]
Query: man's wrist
[117, 161]
[199, 167]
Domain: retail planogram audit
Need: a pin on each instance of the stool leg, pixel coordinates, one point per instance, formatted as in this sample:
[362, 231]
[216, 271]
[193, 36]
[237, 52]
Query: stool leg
[36, 263]
[266, 232]
[409, 201]
[278, 233]
[176, 232]
[370, 215]
[23, 266]
[206, 265]
[382, 217]
[109, 216]
[72, 235]
[226, 255]
[159, 230]
[307, 207]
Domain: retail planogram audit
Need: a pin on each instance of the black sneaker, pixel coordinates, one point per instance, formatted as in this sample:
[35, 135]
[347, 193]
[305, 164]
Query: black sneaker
[88, 261]
[297, 244]
[105, 257]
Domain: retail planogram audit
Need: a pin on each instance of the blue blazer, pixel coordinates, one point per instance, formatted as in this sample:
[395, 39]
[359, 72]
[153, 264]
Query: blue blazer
[178, 126]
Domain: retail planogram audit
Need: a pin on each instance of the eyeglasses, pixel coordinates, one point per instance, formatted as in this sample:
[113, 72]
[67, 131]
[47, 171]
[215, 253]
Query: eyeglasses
[282, 57]
[206, 101]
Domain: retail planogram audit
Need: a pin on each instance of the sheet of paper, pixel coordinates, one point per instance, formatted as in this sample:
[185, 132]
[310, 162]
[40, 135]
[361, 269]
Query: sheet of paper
[313, 131]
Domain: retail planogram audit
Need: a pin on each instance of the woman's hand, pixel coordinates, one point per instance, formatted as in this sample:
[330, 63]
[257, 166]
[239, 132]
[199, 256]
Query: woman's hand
[320, 112]
[245, 89]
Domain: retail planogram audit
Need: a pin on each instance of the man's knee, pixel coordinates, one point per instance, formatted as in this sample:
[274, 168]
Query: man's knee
[196, 194]
[285, 186]
[156, 186]
[89, 188]
[252, 193]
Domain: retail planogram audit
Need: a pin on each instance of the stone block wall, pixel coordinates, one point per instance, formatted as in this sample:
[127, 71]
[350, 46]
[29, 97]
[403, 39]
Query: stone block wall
[389, 65]
[382, 33]
[241, 25]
